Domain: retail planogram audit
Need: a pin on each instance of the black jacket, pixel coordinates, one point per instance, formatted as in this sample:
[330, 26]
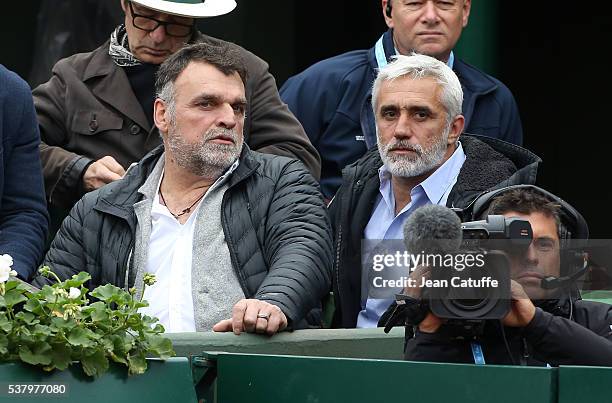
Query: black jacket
[489, 164]
[273, 216]
[550, 338]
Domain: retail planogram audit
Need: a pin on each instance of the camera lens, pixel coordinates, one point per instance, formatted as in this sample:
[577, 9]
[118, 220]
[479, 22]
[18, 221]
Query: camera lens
[468, 298]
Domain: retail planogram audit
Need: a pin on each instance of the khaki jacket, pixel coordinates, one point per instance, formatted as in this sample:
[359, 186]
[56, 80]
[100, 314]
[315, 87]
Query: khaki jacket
[87, 110]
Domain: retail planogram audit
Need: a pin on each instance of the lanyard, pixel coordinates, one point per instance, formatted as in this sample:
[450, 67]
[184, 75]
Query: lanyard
[477, 353]
[379, 50]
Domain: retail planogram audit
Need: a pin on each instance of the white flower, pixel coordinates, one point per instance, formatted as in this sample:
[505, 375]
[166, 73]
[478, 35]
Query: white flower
[6, 261]
[74, 293]
[6, 273]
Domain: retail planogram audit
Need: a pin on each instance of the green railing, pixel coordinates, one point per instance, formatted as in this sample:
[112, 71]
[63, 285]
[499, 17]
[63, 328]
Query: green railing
[604, 296]
[313, 366]
[365, 366]
[169, 381]
[362, 343]
[289, 379]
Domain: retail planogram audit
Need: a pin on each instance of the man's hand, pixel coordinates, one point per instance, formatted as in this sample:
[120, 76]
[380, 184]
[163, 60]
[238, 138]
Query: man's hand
[522, 309]
[249, 315]
[103, 171]
[416, 277]
[430, 324]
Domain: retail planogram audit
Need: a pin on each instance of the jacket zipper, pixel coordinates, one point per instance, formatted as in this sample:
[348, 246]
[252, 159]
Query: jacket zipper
[525, 355]
[226, 232]
[343, 204]
[127, 264]
[126, 261]
[337, 266]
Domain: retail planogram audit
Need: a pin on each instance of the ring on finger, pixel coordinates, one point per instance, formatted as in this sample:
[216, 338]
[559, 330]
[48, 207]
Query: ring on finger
[265, 316]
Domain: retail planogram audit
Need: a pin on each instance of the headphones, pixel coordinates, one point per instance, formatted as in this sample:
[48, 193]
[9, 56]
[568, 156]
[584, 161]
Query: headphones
[388, 9]
[572, 225]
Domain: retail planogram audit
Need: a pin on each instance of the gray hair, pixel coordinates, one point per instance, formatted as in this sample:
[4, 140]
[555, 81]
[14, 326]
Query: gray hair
[417, 67]
[224, 56]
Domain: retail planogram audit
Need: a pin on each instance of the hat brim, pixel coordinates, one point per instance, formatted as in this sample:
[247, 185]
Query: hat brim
[209, 8]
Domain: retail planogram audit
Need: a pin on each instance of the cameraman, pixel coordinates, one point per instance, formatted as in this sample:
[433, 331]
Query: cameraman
[552, 327]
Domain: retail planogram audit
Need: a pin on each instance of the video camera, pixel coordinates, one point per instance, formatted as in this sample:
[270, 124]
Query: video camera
[481, 290]
[441, 230]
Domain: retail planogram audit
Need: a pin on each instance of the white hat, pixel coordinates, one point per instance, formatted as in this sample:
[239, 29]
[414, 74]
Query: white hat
[190, 8]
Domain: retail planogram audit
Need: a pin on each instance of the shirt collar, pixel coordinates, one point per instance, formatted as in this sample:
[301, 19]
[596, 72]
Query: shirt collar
[437, 184]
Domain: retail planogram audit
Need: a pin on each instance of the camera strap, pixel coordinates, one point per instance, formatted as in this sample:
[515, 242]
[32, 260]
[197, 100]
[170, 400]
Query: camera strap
[477, 353]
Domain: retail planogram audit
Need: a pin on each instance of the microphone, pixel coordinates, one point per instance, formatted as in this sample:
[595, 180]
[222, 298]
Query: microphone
[433, 229]
[551, 282]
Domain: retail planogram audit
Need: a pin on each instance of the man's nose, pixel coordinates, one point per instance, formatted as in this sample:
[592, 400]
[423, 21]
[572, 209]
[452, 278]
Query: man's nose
[158, 35]
[430, 13]
[403, 128]
[531, 255]
[227, 117]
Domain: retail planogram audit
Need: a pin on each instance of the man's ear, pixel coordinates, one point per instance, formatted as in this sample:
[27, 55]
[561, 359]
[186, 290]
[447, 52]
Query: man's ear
[159, 116]
[124, 5]
[387, 16]
[456, 129]
[467, 7]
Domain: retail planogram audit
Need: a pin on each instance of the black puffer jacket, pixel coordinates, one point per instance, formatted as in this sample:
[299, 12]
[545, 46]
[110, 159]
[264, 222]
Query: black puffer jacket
[273, 217]
[489, 164]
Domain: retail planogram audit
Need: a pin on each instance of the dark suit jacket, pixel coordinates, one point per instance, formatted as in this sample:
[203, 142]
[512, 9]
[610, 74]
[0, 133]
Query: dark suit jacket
[23, 212]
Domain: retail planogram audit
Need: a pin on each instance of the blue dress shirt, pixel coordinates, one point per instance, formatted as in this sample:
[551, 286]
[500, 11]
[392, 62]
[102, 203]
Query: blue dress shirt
[384, 224]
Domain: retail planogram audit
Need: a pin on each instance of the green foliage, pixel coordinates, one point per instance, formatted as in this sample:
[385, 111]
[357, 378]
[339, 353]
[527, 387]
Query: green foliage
[58, 326]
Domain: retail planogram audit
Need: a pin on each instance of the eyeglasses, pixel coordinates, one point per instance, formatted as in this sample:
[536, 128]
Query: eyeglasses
[151, 24]
[415, 5]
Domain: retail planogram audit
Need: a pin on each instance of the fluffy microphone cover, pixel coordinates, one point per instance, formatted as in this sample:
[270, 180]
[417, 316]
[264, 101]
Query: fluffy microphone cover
[433, 229]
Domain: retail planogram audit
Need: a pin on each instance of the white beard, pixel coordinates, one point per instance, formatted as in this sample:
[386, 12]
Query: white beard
[202, 158]
[408, 166]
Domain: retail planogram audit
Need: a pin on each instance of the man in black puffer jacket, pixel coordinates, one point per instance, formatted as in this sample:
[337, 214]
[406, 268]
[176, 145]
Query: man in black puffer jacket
[239, 233]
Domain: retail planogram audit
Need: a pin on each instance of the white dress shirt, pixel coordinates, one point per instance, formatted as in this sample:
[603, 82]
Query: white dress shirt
[169, 258]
